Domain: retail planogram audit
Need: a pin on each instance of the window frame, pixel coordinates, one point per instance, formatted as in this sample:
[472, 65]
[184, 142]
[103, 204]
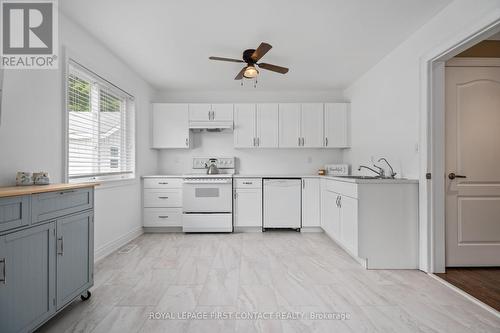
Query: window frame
[130, 107]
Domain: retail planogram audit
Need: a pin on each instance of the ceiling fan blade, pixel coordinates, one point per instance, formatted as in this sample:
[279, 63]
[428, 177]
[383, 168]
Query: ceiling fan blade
[261, 50]
[240, 74]
[225, 59]
[274, 68]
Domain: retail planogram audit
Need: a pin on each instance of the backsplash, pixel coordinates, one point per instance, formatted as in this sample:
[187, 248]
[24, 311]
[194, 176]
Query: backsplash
[248, 161]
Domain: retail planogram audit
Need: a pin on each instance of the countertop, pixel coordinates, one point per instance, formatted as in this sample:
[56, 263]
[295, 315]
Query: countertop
[342, 179]
[13, 191]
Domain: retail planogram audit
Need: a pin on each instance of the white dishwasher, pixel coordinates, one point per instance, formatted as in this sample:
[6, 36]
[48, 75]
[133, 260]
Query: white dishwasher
[282, 203]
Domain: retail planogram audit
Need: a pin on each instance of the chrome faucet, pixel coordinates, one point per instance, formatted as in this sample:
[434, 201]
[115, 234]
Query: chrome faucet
[379, 173]
[393, 174]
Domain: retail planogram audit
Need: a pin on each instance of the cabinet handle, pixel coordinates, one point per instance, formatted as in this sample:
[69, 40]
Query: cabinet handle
[258, 142]
[326, 142]
[4, 269]
[66, 192]
[340, 202]
[61, 246]
[213, 115]
[299, 142]
[337, 201]
[248, 183]
[254, 142]
[162, 197]
[235, 195]
[209, 115]
[163, 183]
[303, 142]
[163, 216]
[187, 142]
[303, 183]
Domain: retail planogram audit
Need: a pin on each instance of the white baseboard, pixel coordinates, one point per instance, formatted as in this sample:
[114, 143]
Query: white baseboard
[311, 229]
[114, 245]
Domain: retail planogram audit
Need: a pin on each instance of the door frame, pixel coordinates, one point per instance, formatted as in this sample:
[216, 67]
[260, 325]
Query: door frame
[432, 139]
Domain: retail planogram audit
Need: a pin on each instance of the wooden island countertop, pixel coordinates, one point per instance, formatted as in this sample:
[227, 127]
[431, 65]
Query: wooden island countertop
[12, 191]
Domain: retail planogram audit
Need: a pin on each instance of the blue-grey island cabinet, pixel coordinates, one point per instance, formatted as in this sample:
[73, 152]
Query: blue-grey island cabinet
[46, 252]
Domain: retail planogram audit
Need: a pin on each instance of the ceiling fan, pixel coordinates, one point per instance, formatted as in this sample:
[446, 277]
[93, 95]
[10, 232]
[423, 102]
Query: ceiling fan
[251, 57]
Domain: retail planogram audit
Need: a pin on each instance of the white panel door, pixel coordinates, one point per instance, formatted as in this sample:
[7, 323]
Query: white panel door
[472, 151]
[267, 125]
[349, 223]
[200, 112]
[310, 202]
[336, 125]
[244, 126]
[248, 207]
[312, 125]
[170, 125]
[222, 112]
[289, 125]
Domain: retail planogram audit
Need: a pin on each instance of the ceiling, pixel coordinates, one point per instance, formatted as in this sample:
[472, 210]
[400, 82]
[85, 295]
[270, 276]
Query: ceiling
[327, 44]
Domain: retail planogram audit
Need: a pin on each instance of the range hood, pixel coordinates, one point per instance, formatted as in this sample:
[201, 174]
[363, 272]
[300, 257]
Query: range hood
[211, 125]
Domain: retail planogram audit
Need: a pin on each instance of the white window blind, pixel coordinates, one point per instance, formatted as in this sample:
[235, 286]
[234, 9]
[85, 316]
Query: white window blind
[101, 123]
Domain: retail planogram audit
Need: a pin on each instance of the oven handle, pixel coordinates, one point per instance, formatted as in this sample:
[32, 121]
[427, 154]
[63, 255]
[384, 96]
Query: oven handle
[208, 183]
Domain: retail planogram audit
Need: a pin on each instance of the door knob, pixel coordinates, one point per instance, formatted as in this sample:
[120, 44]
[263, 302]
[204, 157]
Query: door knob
[453, 176]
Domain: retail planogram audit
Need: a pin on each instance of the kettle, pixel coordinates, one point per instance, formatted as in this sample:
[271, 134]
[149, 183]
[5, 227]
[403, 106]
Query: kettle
[212, 168]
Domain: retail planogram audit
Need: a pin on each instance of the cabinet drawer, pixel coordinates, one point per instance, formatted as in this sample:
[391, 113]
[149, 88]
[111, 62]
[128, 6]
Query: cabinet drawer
[162, 198]
[163, 183]
[248, 183]
[50, 205]
[344, 188]
[162, 217]
[14, 212]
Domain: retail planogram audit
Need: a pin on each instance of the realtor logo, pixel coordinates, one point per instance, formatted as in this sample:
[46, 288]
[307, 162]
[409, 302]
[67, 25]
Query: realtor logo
[29, 34]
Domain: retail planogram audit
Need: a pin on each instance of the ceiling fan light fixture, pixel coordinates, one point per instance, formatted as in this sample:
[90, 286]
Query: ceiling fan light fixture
[251, 72]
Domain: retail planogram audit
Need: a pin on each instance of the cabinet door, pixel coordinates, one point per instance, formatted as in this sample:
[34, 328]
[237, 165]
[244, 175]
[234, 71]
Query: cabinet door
[289, 125]
[336, 125]
[222, 112]
[170, 125]
[248, 207]
[267, 125]
[331, 214]
[349, 223]
[312, 125]
[74, 256]
[200, 112]
[244, 126]
[27, 278]
[310, 202]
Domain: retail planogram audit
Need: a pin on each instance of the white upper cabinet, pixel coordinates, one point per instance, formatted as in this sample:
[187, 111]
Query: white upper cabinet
[256, 125]
[337, 125]
[200, 112]
[289, 125]
[267, 125]
[222, 112]
[311, 125]
[210, 112]
[170, 125]
[244, 126]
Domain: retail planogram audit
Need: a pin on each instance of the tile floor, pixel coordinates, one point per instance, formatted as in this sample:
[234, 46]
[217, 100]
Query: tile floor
[274, 273]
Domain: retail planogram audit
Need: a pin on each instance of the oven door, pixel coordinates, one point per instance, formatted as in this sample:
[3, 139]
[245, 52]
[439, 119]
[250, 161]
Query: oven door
[207, 197]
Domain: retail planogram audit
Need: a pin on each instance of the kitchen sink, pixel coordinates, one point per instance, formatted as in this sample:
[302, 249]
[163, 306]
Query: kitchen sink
[360, 177]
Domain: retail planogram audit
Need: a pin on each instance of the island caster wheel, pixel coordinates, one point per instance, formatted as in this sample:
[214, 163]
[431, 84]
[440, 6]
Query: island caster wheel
[263, 229]
[298, 229]
[86, 296]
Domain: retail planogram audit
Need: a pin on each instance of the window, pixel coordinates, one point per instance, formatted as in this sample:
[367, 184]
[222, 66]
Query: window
[100, 137]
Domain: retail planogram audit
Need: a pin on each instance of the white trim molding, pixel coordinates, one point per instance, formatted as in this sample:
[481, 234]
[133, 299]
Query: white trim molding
[114, 245]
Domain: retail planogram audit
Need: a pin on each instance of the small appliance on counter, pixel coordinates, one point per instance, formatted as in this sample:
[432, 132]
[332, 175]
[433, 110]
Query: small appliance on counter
[337, 169]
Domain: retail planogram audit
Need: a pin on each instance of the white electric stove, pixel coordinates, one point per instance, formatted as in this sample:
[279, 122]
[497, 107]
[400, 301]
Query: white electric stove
[207, 198]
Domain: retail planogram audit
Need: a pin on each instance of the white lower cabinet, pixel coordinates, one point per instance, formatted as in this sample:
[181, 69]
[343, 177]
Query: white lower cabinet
[376, 223]
[310, 202]
[247, 208]
[162, 202]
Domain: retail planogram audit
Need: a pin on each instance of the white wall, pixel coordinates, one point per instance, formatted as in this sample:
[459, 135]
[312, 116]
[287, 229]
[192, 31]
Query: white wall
[249, 161]
[385, 102]
[31, 135]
